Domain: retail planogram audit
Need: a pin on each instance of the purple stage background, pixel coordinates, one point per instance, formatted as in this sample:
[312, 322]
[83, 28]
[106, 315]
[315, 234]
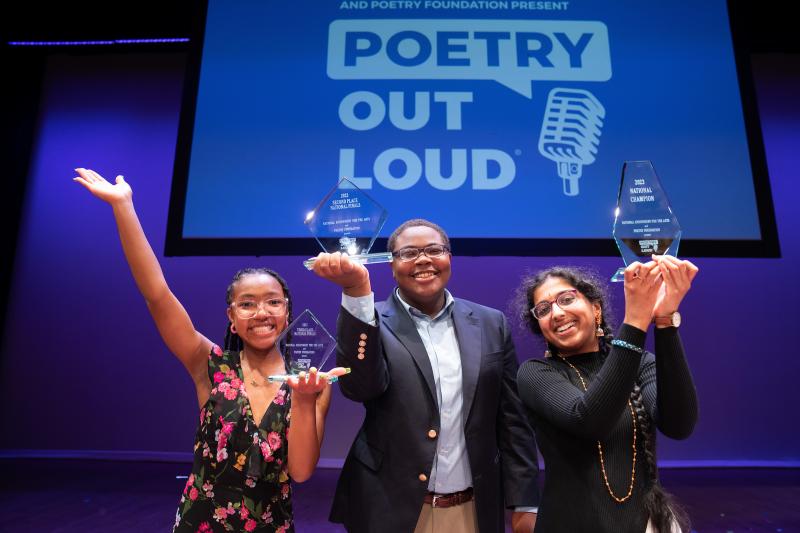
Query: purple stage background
[84, 372]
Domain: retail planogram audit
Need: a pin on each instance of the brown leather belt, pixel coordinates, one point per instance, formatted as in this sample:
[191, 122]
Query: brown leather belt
[449, 500]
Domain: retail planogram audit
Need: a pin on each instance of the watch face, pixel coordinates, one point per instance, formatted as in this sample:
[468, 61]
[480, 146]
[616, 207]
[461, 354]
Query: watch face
[673, 320]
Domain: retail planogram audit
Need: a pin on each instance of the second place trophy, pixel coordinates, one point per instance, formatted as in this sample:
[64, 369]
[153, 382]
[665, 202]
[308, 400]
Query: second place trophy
[347, 220]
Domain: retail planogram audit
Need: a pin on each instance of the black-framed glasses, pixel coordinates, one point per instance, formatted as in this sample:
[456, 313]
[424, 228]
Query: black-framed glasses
[563, 299]
[247, 308]
[411, 253]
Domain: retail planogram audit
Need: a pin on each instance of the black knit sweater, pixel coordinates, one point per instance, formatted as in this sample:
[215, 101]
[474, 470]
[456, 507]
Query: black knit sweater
[569, 422]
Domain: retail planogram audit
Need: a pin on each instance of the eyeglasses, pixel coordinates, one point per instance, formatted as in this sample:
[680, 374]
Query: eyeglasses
[411, 254]
[563, 299]
[246, 309]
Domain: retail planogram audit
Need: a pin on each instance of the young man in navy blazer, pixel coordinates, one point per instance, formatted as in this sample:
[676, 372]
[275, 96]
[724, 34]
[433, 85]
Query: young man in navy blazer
[445, 445]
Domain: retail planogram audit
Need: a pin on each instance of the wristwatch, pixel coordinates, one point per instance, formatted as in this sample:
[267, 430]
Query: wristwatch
[673, 320]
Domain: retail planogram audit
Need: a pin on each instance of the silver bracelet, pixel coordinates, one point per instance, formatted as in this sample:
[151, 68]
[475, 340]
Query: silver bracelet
[623, 344]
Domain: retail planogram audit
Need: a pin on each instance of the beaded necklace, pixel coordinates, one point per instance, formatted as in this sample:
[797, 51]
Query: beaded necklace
[600, 446]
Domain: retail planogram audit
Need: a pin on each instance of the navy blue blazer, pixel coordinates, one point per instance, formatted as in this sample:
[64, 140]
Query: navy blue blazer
[384, 479]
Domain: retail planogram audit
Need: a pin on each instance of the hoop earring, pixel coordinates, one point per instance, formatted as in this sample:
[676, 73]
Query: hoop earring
[233, 329]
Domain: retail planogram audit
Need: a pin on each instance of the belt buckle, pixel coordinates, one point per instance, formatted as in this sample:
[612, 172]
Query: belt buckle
[435, 499]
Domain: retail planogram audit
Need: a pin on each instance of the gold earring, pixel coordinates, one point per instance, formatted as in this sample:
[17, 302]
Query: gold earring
[599, 332]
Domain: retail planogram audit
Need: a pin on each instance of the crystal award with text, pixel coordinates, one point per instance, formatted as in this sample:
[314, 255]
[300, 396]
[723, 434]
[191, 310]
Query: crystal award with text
[347, 220]
[644, 223]
[304, 344]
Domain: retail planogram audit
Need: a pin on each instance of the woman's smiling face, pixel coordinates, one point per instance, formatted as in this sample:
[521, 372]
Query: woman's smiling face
[262, 330]
[571, 330]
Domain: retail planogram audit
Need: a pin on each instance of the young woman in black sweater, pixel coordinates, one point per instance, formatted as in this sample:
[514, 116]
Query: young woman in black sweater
[596, 400]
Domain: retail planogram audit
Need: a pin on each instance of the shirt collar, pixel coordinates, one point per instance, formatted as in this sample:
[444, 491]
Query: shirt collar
[445, 312]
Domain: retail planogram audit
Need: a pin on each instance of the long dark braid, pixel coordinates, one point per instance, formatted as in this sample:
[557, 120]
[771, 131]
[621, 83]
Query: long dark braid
[233, 342]
[659, 505]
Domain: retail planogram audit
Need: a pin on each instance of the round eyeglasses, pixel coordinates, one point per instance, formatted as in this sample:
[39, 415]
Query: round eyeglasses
[246, 309]
[563, 299]
[410, 254]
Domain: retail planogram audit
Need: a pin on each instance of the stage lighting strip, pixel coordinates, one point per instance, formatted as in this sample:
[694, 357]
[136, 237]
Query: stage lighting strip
[99, 43]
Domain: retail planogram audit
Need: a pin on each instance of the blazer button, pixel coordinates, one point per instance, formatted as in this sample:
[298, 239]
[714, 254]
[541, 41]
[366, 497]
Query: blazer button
[432, 434]
[363, 336]
[423, 477]
[362, 343]
[360, 356]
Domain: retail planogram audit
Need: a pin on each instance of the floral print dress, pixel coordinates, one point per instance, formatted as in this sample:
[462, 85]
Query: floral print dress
[240, 478]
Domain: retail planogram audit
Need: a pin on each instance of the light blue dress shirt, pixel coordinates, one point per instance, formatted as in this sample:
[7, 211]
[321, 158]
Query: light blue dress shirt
[451, 471]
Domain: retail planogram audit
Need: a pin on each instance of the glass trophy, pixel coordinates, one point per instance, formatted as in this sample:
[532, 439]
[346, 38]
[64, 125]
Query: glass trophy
[304, 344]
[644, 223]
[347, 220]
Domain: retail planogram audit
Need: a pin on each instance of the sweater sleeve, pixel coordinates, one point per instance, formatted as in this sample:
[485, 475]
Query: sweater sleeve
[591, 414]
[667, 386]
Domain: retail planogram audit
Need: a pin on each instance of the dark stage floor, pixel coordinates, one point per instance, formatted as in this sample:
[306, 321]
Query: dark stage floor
[106, 496]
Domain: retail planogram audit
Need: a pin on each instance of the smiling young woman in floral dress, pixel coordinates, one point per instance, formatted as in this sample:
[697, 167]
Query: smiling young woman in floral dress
[244, 457]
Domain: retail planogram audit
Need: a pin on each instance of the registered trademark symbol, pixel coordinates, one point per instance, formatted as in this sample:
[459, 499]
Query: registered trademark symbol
[517, 151]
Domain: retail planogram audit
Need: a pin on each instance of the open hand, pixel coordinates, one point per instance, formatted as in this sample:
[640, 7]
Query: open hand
[98, 186]
[313, 382]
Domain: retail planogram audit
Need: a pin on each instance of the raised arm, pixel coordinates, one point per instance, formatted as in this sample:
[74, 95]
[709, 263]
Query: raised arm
[668, 390]
[171, 319]
[591, 414]
[358, 343]
[670, 394]
[351, 276]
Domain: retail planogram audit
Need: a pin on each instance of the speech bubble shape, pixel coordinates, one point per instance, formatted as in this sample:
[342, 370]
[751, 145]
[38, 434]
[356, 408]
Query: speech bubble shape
[510, 52]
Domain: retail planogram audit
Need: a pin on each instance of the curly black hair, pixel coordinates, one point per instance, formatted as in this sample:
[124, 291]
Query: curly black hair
[587, 282]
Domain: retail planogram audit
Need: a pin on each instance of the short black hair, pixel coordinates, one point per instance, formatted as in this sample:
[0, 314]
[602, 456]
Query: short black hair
[415, 222]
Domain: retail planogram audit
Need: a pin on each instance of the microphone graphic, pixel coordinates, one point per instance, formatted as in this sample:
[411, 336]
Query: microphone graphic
[571, 132]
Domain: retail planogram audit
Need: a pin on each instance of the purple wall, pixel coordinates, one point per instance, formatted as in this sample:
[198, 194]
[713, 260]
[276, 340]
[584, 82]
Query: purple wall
[83, 368]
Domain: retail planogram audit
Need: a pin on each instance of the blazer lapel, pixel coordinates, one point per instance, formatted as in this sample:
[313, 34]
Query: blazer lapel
[402, 327]
[468, 333]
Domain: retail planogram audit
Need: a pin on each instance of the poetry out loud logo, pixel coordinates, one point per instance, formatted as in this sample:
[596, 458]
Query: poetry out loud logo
[511, 52]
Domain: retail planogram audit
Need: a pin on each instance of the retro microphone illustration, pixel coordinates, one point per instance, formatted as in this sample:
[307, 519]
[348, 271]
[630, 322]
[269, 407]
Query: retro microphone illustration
[571, 133]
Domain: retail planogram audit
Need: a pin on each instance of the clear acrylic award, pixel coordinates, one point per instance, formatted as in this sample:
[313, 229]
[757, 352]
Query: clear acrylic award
[304, 344]
[347, 220]
[644, 223]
